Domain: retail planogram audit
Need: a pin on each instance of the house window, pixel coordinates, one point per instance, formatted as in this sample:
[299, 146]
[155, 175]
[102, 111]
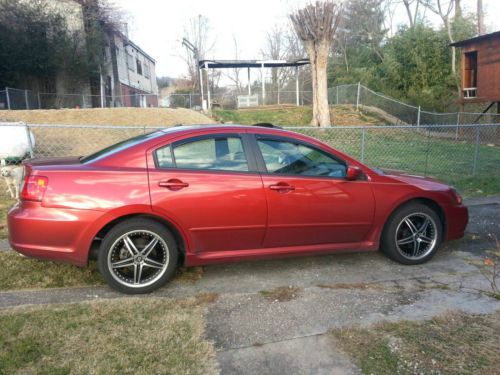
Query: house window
[470, 74]
[130, 61]
[139, 66]
[147, 71]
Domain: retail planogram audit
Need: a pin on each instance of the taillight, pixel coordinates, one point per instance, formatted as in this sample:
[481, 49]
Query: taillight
[34, 188]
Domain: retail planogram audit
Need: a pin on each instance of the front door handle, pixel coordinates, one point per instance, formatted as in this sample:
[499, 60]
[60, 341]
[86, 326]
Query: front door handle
[282, 187]
[173, 184]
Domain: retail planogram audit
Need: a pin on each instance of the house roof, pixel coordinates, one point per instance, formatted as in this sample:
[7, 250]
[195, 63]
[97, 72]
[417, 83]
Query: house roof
[221, 64]
[127, 41]
[476, 39]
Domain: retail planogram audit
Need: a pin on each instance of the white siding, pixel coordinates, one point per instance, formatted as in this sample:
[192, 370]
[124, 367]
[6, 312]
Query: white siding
[127, 57]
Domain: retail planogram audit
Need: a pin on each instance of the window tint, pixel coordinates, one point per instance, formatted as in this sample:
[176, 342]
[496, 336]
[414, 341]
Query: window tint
[220, 153]
[282, 157]
[164, 157]
[123, 145]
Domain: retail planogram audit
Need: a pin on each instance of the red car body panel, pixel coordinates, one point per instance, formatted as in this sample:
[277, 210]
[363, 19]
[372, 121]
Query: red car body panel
[220, 216]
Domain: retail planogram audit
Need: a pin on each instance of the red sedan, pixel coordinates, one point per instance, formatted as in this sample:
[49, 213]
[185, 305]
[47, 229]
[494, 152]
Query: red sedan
[204, 194]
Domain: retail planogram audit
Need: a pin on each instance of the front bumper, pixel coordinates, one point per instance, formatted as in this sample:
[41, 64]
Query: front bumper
[56, 234]
[457, 218]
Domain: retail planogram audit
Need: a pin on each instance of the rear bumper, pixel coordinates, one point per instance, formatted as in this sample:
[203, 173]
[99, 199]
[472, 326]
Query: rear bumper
[457, 218]
[56, 234]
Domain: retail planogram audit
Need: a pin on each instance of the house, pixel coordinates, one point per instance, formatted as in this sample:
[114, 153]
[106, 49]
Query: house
[128, 76]
[480, 70]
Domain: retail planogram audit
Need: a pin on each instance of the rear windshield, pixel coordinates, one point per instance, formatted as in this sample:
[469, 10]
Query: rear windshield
[119, 146]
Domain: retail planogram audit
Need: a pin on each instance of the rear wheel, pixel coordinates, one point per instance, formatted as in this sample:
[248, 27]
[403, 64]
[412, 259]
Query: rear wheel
[137, 256]
[412, 234]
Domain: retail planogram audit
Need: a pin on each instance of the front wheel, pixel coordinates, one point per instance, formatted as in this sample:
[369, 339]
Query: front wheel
[412, 234]
[137, 256]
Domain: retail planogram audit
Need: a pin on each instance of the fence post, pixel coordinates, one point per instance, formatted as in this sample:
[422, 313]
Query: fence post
[458, 123]
[357, 98]
[39, 101]
[8, 97]
[476, 152]
[190, 101]
[26, 99]
[418, 117]
[30, 143]
[363, 145]
[337, 101]
[428, 151]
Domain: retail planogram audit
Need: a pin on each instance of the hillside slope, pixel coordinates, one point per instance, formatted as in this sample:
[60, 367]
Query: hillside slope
[343, 115]
[109, 116]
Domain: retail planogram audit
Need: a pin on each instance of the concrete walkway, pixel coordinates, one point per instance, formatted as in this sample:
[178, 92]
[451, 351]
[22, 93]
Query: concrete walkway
[255, 334]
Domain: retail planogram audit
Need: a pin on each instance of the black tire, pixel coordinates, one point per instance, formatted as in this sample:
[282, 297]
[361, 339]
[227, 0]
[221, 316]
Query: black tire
[116, 247]
[400, 245]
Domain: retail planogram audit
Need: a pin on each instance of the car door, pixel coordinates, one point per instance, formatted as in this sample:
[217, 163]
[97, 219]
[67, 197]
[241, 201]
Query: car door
[210, 187]
[309, 199]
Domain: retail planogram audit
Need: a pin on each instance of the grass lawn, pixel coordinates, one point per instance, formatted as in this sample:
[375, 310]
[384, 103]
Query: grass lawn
[24, 273]
[123, 336]
[452, 344]
[5, 205]
[295, 116]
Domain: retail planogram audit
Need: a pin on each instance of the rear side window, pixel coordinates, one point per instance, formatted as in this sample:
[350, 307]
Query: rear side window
[284, 157]
[217, 153]
[120, 146]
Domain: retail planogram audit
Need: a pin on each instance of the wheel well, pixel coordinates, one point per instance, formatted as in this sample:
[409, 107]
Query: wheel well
[429, 203]
[94, 247]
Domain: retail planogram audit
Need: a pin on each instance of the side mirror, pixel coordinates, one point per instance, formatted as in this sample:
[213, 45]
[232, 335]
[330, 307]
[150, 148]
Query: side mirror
[353, 173]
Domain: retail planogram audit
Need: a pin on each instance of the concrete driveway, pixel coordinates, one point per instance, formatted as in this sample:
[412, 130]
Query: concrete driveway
[255, 333]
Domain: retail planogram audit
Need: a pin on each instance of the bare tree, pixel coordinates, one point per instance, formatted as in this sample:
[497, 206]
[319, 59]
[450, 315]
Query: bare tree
[316, 26]
[444, 9]
[412, 13]
[234, 76]
[198, 32]
[480, 17]
[281, 44]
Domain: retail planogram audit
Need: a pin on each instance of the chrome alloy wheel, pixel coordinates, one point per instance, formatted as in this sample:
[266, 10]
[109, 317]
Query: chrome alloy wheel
[416, 236]
[138, 258]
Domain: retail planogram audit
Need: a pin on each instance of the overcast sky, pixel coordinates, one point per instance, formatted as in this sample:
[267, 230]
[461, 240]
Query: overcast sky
[157, 25]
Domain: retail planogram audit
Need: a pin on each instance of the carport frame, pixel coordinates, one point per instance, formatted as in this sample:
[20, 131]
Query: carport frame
[205, 65]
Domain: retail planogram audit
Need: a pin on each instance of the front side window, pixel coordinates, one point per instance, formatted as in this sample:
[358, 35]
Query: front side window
[285, 157]
[218, 153]
[139, 66]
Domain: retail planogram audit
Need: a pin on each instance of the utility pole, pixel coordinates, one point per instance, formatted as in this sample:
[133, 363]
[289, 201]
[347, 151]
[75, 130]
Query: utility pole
[191, 47]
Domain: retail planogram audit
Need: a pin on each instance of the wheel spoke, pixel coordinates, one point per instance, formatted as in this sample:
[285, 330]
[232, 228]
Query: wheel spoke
[129, 244]
[416, 247]
[148, 262]
[406, 240]
[424, 226]
[410, 225]
[123, 263]
[426, 239]
[149, 247]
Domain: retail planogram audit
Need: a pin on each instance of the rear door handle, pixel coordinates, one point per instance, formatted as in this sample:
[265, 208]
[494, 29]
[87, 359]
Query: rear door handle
[282, 187]
[173, 184]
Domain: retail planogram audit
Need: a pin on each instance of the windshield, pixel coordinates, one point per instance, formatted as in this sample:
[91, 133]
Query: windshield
[122, 145]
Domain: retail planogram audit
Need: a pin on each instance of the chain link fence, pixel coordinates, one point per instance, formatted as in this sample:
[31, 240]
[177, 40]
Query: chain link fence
[448, 152]
[397, 112]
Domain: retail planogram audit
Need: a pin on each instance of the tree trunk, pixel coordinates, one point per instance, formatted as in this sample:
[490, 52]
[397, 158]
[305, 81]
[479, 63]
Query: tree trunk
[480, 17]
[321, 92]
[311, 52]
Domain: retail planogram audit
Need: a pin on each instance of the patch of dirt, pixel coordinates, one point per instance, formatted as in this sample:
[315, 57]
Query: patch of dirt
[189, 274]
[109, 116]
[281, 293]
[350, 286]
